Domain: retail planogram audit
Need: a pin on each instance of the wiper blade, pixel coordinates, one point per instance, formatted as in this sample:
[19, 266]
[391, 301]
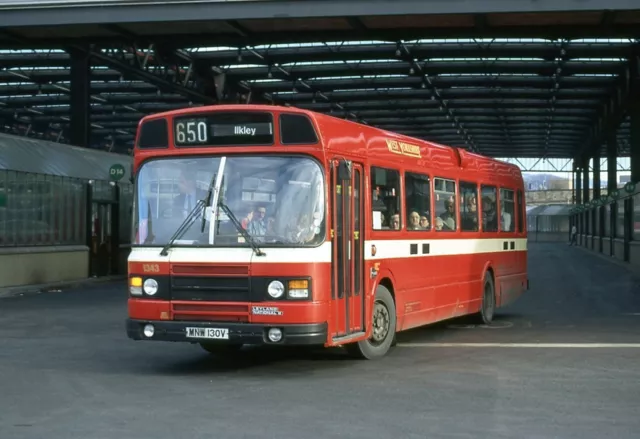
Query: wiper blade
[242, 231]
[191, 216]
[208, 202]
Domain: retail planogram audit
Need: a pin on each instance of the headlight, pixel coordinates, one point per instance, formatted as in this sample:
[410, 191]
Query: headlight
[150, 287]
[275, 289]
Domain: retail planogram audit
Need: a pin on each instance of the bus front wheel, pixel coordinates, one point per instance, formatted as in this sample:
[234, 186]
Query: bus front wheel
[383, 332]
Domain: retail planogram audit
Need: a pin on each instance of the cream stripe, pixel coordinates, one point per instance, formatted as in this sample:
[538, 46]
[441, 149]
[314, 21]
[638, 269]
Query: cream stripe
[385, 249]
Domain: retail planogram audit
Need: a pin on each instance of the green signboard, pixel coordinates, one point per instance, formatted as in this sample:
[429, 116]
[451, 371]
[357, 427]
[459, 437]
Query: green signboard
[116, 172]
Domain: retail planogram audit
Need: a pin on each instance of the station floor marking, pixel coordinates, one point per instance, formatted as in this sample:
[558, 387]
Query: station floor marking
[523, 345]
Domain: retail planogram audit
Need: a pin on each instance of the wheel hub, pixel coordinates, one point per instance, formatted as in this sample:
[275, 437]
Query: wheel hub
[380, 323]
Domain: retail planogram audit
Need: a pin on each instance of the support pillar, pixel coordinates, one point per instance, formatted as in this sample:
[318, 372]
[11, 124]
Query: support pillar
[612, 163]
[585, 182]
[596, 174]
[80, 126]
[634, 112]
[578, 184]
[634, 128]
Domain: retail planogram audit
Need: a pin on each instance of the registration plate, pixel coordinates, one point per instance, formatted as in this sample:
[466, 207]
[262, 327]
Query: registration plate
[210, 333]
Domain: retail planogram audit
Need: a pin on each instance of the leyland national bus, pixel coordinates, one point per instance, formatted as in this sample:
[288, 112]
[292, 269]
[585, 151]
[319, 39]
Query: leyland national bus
[279, 226]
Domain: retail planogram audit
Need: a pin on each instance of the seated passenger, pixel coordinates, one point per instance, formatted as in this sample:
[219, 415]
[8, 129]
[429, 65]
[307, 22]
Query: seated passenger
[424, 221]
[246, 220]
[470, 217]
[489, 219]
[414, 221]
[395, 222]
[449, 216]
[438, 223]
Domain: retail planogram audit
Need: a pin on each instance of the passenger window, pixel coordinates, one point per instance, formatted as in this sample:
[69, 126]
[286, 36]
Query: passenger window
[385, 199]
[507, 210]
[417, 200]
[468, 207]
[489, 209]
[445, 204]
[521, 213]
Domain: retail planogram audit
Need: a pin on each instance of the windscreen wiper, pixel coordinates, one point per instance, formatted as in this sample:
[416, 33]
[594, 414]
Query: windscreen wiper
[191, 217]
[207, 202]
[184, 226]
[242, 231]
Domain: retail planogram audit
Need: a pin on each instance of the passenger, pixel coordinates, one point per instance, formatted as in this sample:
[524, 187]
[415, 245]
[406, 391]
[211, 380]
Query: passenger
[414, 221]
[258, 223]
[449, 216]
[395, 222]
[424, 221]
[470, 218]
[439, 224]
[247, 219]
[574, 234]
[489, 220]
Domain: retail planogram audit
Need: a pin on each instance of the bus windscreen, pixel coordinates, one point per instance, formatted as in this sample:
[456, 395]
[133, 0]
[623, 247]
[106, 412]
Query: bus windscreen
[218, 129]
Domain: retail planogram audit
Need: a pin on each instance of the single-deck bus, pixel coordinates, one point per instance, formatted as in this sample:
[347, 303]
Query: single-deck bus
[275, 225]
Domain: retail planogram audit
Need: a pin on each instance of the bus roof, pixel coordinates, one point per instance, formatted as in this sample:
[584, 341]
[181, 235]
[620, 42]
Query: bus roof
[459, 155]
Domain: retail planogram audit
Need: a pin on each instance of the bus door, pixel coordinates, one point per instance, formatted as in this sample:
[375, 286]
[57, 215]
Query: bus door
[347, 290]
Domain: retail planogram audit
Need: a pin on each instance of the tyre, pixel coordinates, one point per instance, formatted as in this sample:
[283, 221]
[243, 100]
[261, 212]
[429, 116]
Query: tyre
[384, 329]
[221, 349]
[487, 310]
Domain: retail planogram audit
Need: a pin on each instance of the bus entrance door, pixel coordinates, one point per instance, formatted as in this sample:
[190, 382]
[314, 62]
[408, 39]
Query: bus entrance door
[347, 291]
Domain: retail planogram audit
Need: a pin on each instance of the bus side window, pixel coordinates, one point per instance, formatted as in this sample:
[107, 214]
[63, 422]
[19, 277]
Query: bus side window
[489, 209]
[468, 207]
[385, 199]
[445, 205]
[507, 210]
[417, 200]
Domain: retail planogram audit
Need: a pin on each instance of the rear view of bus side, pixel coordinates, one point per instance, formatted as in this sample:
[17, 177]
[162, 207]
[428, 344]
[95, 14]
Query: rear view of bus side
[370, 233]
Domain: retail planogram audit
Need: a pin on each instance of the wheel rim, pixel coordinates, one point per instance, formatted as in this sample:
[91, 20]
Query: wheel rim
[381, 323]
[488, 300]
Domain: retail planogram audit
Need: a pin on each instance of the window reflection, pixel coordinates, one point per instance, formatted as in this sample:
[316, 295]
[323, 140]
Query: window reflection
[277, 200]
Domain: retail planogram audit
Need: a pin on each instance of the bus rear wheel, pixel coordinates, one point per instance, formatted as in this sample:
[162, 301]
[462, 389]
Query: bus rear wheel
[488, 307]
[383, 334]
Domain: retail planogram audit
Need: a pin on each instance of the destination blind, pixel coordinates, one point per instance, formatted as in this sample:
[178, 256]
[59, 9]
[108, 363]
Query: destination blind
[223, 129]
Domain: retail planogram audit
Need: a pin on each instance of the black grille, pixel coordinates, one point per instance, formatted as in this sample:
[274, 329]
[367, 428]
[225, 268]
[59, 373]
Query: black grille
[223, 289]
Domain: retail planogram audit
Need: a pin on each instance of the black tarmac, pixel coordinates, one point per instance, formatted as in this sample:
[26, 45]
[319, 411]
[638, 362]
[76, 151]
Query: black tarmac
[547, 368]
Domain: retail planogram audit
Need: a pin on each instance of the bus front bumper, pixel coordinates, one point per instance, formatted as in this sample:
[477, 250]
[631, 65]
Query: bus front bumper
[226, 332]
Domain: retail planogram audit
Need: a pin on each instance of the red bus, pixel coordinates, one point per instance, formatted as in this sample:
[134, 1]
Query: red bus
[274, 225]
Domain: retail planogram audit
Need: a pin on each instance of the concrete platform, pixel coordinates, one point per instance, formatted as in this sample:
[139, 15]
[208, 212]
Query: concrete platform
[68, 371]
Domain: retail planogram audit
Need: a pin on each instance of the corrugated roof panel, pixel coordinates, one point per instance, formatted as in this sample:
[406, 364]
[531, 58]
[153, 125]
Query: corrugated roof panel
[44, 157]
